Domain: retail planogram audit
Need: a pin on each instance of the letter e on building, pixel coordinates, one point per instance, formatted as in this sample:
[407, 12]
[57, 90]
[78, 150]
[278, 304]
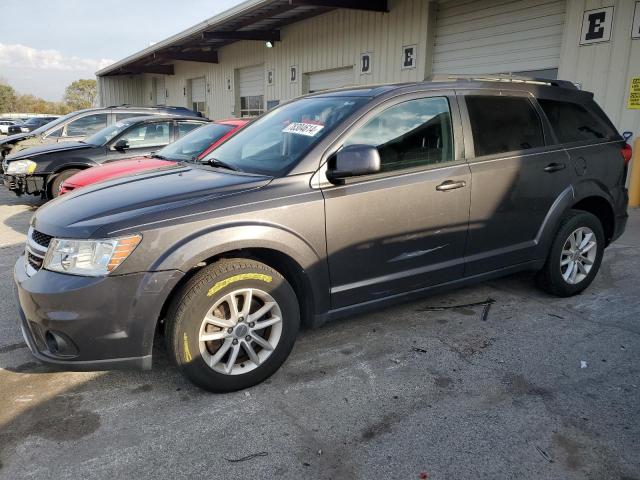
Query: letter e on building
[596, 26]
[409, 55]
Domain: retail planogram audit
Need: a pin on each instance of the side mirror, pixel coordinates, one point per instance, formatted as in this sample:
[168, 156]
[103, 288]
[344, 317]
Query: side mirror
[121, 145]
[353, 161]
[627, 135]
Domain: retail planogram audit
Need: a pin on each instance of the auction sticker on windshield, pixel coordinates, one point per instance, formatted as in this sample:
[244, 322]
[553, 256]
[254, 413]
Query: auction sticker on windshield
[306, 129]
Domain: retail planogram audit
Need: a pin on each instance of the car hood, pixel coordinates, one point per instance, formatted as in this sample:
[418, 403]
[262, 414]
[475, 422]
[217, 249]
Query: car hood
[116, 169]
[129, 202]
[51, 148]
[15, 138]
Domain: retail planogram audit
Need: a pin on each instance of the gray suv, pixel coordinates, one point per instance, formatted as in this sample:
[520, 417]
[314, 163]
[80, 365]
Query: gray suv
[80, 124]
[328, 205]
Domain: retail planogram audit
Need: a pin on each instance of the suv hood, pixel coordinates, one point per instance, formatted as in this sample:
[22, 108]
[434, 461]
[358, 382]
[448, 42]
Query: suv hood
[44, 149]
[11, 139]
[98, 210]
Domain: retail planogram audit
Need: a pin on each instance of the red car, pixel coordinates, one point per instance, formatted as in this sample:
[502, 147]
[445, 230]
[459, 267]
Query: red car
[193, 146]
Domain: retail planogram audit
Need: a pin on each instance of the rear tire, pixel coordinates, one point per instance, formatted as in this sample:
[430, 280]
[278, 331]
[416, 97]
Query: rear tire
[232, 325]
[575, 255]
[54, 190]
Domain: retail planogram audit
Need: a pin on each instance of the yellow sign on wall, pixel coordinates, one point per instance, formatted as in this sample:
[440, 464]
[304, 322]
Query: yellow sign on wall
[634, 94]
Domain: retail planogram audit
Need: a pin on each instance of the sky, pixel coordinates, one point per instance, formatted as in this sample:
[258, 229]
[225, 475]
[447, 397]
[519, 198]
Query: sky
[47, 44]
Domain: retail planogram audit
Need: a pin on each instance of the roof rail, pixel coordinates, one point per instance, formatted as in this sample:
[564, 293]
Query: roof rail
[507, 78]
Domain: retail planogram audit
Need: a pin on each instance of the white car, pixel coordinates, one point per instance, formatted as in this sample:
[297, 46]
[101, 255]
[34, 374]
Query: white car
[5, 124]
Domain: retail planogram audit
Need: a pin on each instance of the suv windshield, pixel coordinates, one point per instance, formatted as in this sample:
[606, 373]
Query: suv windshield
[101, 137]
[195, 142]
[276, 142]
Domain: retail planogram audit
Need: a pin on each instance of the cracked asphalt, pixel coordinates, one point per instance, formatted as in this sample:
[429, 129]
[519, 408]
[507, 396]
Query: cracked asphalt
[397, 393]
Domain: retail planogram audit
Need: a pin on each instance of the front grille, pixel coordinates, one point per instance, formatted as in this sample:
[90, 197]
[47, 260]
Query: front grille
[34, 261]
[40, 238]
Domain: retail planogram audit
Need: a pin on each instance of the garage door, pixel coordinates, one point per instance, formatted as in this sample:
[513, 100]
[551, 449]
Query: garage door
[198, 90]
[329, 79]
[198, 95]
[251, 84]
[498, 36]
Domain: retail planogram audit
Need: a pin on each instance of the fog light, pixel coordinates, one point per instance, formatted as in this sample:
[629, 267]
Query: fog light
[59, 344]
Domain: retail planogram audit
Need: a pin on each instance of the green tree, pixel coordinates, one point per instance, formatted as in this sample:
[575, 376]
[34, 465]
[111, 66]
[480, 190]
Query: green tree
[81, 94]
[7, 97]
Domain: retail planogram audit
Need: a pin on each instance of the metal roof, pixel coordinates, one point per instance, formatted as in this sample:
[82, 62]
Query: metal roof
[259, 20]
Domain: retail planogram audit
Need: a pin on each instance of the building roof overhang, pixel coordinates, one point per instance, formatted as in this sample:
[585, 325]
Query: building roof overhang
[259, 20]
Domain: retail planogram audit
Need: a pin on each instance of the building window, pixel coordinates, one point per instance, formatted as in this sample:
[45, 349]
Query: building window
[252, 106]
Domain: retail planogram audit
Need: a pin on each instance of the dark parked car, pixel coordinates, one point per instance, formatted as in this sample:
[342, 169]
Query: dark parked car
[326, 206]
[6, 123]
[79, 125]
[191, 147]
[30, 125]
[41, 170]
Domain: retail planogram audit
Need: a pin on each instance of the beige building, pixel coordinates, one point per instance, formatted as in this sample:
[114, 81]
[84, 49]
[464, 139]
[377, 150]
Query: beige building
[262, 52]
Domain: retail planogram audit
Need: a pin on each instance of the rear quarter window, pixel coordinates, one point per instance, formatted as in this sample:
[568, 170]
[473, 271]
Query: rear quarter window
[573, 122]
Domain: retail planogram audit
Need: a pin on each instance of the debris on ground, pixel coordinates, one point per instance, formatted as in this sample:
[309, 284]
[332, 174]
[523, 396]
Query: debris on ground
[555, 316]
[419, 350]
[485, 311]
[544, 454]
[583, 364]
[424, 476]
[248, 457]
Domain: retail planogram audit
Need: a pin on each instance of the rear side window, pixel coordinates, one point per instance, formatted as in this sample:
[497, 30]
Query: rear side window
[503, 124]
[85, 126]
[574, 123]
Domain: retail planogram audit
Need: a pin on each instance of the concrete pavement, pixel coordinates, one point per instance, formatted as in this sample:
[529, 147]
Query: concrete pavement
[391, 394]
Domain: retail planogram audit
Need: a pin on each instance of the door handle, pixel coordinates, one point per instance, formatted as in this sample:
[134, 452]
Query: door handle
[450, 185]
[554, 167]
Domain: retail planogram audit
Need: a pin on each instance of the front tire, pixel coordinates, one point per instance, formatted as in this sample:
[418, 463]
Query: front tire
[575, 255]
[232, 325]
[54, 190]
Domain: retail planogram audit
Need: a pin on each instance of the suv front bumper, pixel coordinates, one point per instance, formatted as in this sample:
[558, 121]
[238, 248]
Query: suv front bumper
[20, 184]
[91, 323]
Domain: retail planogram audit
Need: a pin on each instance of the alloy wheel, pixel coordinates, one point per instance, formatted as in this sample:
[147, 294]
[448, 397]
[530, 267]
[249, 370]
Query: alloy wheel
[578, 255]
[240, 331]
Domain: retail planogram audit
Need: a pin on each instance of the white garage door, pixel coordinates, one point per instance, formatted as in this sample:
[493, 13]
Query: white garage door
[498, 36]
[198, 90]
[329, 79]
[251, 87]
[251, 81]
[199, 95]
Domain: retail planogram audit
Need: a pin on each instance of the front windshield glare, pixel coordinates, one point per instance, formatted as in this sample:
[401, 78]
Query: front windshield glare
[276, 142]
[101, 137]
[195, 142]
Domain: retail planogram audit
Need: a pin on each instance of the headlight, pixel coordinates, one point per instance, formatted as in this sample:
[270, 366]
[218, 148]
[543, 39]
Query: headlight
[92, 258]
[24, 167]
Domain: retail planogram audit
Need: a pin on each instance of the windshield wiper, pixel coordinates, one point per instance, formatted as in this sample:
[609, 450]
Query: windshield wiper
[155, 155]
[214, 162]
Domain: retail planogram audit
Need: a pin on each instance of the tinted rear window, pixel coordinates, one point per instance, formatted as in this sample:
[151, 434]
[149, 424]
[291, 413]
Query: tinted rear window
[503, 124]
[574, 123]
